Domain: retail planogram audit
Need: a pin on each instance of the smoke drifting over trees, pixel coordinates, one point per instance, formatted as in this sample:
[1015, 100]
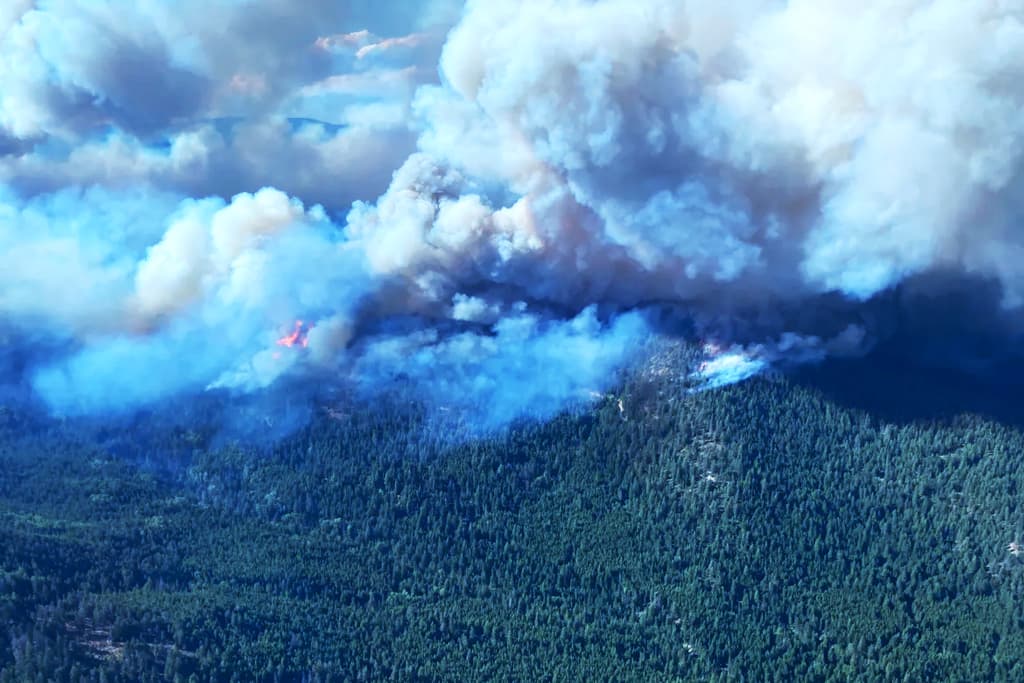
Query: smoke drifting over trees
[501, 201]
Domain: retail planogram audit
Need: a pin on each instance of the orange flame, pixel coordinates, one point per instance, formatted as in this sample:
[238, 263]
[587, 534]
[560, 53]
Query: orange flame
[297, 337]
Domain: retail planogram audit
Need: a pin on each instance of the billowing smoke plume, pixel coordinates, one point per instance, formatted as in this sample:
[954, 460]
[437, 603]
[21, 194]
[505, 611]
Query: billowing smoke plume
[493, 204]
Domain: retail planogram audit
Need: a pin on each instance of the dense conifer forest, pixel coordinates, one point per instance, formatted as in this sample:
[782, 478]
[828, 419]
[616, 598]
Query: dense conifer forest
[772, 530]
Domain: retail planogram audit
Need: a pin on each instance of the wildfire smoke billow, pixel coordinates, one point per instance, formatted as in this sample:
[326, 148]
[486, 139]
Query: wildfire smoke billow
[499, 201]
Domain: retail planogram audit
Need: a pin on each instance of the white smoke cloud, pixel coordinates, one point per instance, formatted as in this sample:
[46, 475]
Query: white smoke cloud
[770, 145]
[210, 98]
[543, 169]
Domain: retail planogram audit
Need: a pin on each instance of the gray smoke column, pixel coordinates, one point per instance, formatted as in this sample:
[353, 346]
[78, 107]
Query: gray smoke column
[769, 169]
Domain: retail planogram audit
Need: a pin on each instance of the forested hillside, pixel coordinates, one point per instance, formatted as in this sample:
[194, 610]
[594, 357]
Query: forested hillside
[766, 531]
